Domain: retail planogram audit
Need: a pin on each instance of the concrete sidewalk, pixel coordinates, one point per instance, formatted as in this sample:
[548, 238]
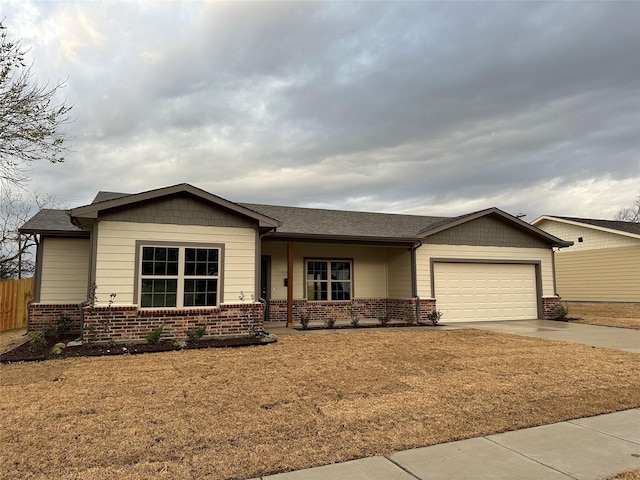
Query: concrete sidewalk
[589, 448]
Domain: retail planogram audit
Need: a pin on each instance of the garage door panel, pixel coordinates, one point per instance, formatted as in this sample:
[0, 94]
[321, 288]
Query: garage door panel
[479, 291]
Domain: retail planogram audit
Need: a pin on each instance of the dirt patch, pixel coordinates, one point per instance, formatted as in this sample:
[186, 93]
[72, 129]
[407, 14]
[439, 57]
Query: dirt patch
[10, 339]
[26, 351]
[304, 401]
[623, 315]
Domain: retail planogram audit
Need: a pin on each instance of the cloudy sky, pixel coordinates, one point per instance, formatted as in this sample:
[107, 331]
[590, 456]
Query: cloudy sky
[436, 108]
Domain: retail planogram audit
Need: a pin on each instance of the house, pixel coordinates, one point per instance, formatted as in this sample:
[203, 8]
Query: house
[182, 257]
[604, 262]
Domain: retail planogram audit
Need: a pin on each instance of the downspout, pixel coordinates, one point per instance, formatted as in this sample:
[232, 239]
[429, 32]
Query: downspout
[414, 279]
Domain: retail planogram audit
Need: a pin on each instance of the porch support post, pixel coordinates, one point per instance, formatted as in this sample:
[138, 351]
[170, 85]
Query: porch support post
[290, 285]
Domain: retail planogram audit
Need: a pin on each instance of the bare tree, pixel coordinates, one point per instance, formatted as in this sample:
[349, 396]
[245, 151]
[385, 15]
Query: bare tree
[17, 256]
[30, 120]
[630, 214]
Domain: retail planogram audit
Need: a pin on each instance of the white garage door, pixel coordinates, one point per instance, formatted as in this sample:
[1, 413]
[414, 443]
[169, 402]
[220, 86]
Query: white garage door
[485, 291]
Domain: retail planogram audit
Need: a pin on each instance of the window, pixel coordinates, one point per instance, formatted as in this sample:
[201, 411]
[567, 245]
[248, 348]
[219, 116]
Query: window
[328, 280]
[179, 276]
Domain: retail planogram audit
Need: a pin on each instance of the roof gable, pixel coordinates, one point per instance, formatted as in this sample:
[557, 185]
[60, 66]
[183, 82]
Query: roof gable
[109, 200]
[630, 229]
[514, 223]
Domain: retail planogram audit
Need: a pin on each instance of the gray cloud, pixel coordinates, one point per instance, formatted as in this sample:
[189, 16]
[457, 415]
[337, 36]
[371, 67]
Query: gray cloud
[428, 107]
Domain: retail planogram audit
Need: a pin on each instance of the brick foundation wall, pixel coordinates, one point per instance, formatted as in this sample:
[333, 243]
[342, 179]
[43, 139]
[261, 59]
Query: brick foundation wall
[131, 325]
[550, 307]
[43, 315]
[426, 307]
[396, 309]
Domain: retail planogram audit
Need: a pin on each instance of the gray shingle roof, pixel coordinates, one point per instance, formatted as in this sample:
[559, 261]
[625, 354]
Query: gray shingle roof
[340, 223]
[629, 227]
[52, 221]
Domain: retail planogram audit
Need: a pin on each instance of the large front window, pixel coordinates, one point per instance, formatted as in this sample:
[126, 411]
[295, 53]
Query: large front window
[179, 276]
[328, 280]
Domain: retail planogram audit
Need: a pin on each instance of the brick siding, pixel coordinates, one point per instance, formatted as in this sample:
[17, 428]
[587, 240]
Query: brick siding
[131, 325]
[550, 307]
[42, 315]
[395, 309]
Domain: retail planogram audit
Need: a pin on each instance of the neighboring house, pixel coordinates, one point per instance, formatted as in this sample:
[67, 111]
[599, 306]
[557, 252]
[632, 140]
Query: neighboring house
[182, 257]
[604, 262]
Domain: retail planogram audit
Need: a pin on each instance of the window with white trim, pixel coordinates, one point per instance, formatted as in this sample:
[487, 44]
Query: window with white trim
[181, 276]
[328, 280]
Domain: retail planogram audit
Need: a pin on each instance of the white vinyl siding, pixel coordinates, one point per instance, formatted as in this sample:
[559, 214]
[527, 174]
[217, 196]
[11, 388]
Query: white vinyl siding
[426, 252]
[592, 238]
[65, 270]
[479, 291]
[115, 263]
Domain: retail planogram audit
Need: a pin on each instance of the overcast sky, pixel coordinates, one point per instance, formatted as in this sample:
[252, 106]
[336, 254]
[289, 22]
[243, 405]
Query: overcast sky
[436, 108]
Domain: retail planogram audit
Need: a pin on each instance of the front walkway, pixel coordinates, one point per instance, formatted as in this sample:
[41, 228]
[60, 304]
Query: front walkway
[582, 449]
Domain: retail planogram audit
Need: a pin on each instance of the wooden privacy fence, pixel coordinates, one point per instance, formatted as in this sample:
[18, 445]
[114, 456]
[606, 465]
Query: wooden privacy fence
[14, 297]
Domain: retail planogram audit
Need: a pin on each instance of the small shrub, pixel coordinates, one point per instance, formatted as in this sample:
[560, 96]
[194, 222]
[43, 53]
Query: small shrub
[92, 337]
[58, 348]
[37, 342]
[330, 322]
[434, 317]
[562, 312]
[197, 334]
[304, 321]
[154, 335]
[61, 327]
[384, 320]
[409, 316]
[180, 342]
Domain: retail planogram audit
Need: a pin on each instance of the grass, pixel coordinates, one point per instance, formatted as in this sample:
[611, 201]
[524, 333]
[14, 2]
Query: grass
[630, 475]
[307, 400]
[624, 315]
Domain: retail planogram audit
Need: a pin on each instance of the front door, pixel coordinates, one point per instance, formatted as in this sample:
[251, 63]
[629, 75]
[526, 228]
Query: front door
[265, 282]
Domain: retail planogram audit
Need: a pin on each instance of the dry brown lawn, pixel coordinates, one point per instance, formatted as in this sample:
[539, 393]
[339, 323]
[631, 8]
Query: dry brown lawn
[625, 315]
[307, 400]
[630, 475]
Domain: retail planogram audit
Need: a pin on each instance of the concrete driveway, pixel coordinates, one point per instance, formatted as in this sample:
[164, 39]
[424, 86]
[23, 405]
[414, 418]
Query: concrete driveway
[608, 337]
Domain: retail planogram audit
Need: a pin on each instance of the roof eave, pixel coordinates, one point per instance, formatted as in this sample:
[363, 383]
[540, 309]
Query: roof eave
[54, 233]
[343, 238]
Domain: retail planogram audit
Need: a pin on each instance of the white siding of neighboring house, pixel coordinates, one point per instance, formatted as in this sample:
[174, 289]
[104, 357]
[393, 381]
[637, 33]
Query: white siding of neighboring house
[592, 238]
[65, 270]
[378, 272]
[427, 251]
[116, 253]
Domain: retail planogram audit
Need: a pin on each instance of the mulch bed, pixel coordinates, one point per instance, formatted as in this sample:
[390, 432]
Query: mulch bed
[24, 353]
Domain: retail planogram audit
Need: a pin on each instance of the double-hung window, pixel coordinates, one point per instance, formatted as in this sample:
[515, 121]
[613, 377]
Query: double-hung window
[179, 276]
[328, 280]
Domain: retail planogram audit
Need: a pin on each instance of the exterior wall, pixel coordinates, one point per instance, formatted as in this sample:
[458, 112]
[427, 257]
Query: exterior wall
[592, 238]
[65, 270]
[399, 272]
[550, 306]
[371, 270]
[486, 232]
[395, 309]
[131, 325]
[43, 315]
[608, 274]
[425, 253]
[116, 254]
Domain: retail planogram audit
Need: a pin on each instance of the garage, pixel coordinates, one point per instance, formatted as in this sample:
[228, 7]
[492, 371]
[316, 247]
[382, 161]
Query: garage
[468, 292]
